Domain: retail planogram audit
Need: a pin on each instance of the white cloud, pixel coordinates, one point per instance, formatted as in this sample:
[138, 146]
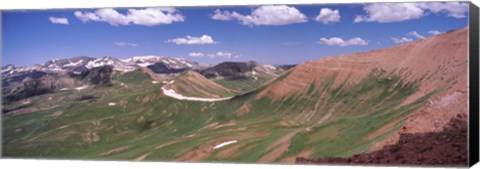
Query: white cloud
[56, 20]
[196, 54]
[108, 15]
[415, 34]
[124, 44]
[327, 16]
[390, 12]
[191, 40]
[223, 16]
[453, 9]
[434, 32]
[336, 41]
[225, 55]
[145, 17]
[397, 12]
[154, 16]
[401, 40]
[222, 55]
[264, 15]
[86, 16]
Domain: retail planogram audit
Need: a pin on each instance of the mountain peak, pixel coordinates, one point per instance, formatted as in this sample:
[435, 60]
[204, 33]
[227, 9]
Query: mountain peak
[8, 67]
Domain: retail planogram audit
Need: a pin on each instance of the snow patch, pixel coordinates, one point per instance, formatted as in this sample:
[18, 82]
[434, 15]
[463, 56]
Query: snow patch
[73, 63]
[167, 61]
[25, 69]
[224, 144]
[125, 69]
[123, 85]
[77, 73]
[270, 67]
[9, 68]
[94, 63]
[154, 82]
[173, 94]
[168, 82]
[81, 87]
[142, 59]
[26, 102]
[144, 64]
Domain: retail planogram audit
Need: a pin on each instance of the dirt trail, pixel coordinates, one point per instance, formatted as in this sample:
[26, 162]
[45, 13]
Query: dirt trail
[113, 151]
[142, 157]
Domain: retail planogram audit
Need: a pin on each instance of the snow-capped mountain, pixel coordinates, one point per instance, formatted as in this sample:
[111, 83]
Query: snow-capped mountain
[81, 64]
[176, 63]
[56, 74]
[67, 63]
[75, 64]
[117, 64]
[7, 69]
[10, 70]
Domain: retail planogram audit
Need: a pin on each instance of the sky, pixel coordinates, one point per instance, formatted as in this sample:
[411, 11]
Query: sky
[274, 34]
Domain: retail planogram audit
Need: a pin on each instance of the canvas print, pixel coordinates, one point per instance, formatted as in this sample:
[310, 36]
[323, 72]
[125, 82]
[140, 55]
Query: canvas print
[357, 84]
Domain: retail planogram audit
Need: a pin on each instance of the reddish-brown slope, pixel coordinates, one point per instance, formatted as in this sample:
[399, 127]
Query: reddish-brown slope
[154, 76]
[193, 84]
[442, 57]
[438, 63]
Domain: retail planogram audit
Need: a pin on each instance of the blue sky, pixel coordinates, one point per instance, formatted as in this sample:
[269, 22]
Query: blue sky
[268, 34]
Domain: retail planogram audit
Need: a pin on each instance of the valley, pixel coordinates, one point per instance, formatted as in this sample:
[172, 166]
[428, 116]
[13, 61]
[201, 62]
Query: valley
[168, 109]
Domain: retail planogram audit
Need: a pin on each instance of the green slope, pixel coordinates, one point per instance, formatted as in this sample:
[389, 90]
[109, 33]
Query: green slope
[146, 122]
[244, 85]
[328, 116]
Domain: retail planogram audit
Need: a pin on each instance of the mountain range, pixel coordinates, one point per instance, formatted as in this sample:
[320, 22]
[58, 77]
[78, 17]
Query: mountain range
[70, 73]
[152, 108]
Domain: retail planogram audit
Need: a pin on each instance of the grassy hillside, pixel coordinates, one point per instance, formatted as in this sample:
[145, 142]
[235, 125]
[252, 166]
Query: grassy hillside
[145, 123]
[244, 85]
[309, 111]
[132, 77]
[193, 84]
